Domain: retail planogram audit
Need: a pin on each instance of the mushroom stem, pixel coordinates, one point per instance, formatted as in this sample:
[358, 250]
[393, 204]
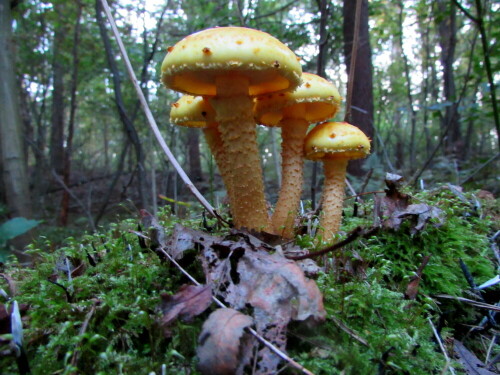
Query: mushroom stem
[214, 142]
[333, 197]
[293, 134]
[233, 108]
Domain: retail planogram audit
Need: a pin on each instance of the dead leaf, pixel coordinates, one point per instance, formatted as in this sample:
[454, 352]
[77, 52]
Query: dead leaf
[247, 272]
[412, 287]
[472, 365]
[187, 303]
[183, 239]
[420, 213]
[394, 208]
[279, 292]
[224, 347]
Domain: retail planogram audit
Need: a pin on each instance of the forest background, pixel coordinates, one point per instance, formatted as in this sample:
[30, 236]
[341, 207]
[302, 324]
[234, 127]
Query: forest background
[76, 149]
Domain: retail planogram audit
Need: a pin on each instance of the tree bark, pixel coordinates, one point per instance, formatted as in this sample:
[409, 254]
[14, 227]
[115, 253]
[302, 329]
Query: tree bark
[447, 41]
[193, 145]
[11, 127]
[68, 153]
[58, 97]
[362, 94]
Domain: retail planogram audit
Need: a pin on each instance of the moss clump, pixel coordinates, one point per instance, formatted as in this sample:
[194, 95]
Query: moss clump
[102, 319]
[109, 322]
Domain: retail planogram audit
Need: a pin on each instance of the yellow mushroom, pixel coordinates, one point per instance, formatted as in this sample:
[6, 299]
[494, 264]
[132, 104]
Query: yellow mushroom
[229, 65]
[335, 143]
[315, 100]
[196, 112]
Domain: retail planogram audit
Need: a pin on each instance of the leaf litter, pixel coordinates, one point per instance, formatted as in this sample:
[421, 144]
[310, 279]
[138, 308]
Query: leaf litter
[395, 208]
[251, 277]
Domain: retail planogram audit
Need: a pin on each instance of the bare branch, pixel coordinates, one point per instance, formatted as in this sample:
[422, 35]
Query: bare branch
[150, 118]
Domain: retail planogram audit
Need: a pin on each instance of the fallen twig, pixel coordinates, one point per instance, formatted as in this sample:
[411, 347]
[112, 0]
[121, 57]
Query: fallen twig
[83, 329]
[481, 305]
[355, 234]
[443, 349]
[349, 331]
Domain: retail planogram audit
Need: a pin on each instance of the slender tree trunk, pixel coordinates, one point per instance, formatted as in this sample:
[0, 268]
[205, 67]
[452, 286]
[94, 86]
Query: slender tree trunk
[412, 112]
[447, 41]
[362, 92]
[71, 125]
[58, 97]
[193, 145]
[320, 70]
[15, 178]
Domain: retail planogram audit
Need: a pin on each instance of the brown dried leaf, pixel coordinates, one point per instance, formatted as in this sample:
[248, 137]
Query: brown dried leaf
[224, 348]
[243, 272]
[279, 292]
[187, 303]
[420, 214]
[472, 365]
[412, 287]
[183, 239]
[395, 207]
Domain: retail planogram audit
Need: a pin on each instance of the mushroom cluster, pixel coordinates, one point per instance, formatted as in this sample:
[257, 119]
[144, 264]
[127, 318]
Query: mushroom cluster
[236, 78]
[229, 66]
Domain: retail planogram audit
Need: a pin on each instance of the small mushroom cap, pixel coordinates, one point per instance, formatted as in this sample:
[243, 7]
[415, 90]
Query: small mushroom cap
[336, 140]
[192, 111]
[315, 100]
[194, 63]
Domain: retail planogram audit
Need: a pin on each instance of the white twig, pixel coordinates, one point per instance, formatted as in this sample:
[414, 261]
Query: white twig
[149, 115]
[443, 349]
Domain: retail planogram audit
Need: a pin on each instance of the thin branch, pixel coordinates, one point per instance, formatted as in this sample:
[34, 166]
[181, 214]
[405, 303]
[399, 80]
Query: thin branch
[441, 346]
[478, 20]
[349, 331]
[275, 11]
[465, 11]
[150, 118]
[355, 234]
[75, 198]
[481, 305]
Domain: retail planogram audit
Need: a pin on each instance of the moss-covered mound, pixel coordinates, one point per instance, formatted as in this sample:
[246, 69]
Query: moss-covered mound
[91, 306]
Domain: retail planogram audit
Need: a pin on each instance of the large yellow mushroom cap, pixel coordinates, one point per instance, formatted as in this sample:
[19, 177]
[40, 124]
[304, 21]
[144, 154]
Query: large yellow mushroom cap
[192, 111]
[194, 63]
[336, 140]
[315, 100]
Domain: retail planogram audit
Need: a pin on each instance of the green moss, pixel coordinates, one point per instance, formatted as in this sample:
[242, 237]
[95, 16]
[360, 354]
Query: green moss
[370, 327]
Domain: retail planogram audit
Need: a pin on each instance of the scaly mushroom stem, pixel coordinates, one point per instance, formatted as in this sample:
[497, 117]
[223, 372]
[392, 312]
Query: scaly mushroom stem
[293, 134]
[233, 108]
[214, 142]
[333, 197]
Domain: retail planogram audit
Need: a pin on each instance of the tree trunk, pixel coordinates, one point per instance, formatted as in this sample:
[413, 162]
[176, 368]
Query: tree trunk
[58, 95]
[362, 91]
[11, 127]
[412, 113]
[68, 154]
[447, 41]
[193, 145]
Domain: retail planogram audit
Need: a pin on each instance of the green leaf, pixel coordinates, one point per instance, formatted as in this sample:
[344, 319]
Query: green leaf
[15, 227]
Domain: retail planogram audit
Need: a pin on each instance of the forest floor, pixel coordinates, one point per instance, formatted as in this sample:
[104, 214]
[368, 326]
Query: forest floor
[410, 287]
